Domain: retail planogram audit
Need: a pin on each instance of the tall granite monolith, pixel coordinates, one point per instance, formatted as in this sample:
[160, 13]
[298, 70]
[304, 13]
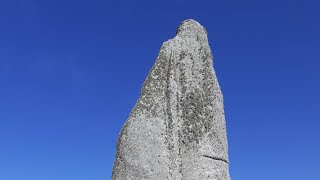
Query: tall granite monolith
[177, 129]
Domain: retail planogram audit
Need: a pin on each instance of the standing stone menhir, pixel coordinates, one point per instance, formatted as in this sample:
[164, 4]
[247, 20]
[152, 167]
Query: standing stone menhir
[177, 129]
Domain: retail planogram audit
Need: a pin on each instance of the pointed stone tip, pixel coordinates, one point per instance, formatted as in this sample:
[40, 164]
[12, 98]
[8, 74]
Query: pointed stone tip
[191, 26]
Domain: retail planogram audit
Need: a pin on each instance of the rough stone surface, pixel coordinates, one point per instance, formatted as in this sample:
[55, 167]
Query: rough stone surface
[177, 129]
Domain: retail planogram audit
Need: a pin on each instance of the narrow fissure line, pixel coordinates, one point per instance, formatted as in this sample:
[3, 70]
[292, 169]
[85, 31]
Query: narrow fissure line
[169, 118]
[216, 158]
[173, 124]
[178, 119]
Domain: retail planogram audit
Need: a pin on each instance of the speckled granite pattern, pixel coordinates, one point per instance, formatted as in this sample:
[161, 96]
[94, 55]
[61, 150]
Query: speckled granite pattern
[177, 129]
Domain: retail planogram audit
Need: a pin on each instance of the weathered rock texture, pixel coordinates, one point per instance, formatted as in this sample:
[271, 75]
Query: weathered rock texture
[177, 129]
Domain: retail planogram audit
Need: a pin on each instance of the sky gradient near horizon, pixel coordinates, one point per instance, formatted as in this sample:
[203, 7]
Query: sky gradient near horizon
[71, 71]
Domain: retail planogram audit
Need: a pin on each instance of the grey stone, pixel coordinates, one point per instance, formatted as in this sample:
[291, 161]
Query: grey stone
[177, 129]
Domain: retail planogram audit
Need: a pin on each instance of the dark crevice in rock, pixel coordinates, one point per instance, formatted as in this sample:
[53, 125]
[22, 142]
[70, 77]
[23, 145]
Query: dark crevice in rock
[216, 158]
[169, 119]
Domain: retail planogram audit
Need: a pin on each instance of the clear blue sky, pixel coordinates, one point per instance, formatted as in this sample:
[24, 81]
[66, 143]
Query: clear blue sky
[71, 71]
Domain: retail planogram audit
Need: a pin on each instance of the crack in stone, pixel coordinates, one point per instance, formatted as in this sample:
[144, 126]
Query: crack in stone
[172, 129]
[216, 158]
